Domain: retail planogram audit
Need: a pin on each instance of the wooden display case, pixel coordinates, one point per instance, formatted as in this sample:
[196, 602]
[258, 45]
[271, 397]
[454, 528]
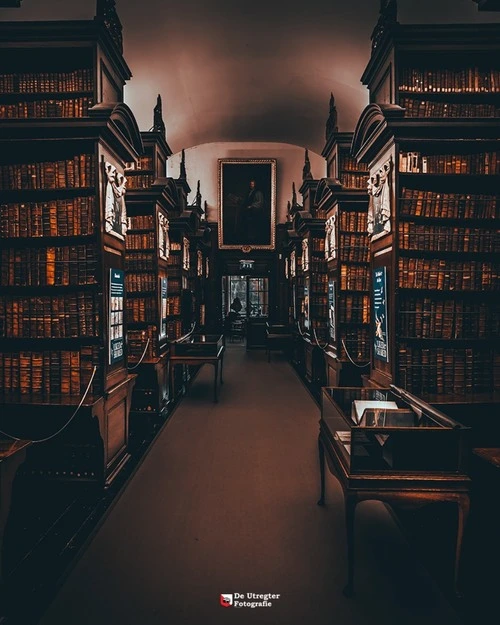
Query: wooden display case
[388, 445]
[63, 226]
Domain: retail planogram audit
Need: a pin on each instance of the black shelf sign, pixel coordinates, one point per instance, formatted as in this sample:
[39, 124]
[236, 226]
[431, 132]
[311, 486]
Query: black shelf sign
[163, 303]
[116, 304]
[380, 338]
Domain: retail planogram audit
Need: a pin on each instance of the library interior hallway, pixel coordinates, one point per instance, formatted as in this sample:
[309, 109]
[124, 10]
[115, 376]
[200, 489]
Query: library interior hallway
[225, 502]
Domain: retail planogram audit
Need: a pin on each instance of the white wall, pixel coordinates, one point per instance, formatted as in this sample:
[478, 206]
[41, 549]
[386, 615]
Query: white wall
[202, 165]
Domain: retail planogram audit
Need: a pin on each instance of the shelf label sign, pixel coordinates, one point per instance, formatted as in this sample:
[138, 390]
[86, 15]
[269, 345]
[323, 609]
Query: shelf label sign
[305, 306]
[163, 303]
[380, 338]
[116, 304]
[331, 310]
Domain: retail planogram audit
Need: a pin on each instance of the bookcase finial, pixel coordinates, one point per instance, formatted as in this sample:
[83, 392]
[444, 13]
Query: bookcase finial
[158, 123]
[331, 122]
[306, 171]
[183, 174]
[106, 11]
[388, 17]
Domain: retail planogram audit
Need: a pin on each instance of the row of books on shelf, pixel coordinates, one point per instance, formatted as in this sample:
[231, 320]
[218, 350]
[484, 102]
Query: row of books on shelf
[57, 316]
[174, 260]
[355, 344]
[348, 163]
[319, 282]
[145, 240]
[66, 107]
[174, 285]
[318, 310]
[46, 373]
[448, 370]
[45, 82]
[144, 163]
[354, 181]
[431, 108]
[353, 221]
[480, 163]
[420, 203]
[472, 79]
[354, 308]
[136, 282]
[354, 278]
[317, 266]
[320, 328]
[137, 341]
[76, 172]
[49, 266]
[439, 274]
[174, 329]
[173, 305]
[57, 218]
[141, 309]
[425, 318]
[140, 181]
[139, 261]
[447, 239]
[353, 247]
[318, 244]
[140, 222]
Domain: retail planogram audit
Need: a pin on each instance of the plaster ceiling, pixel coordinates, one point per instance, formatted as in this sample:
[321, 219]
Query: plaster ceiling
[260, 70]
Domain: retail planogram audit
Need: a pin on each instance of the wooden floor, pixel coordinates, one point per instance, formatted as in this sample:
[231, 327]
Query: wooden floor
[225, 502]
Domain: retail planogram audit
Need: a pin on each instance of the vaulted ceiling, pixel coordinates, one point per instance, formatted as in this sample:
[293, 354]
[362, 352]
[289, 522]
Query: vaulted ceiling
[254, 70]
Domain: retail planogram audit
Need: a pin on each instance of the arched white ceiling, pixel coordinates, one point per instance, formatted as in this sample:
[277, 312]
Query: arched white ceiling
[260, 70]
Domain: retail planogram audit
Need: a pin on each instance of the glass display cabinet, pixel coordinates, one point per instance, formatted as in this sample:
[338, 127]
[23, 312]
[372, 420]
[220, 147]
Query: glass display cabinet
[388, 445]
[197, 345]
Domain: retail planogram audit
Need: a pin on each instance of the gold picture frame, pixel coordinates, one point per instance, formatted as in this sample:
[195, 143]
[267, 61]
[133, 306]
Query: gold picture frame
[247, 211]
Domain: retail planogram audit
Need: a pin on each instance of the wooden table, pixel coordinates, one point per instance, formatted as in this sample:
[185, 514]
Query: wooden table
[198, 360]
[403, 487]
[12, 455]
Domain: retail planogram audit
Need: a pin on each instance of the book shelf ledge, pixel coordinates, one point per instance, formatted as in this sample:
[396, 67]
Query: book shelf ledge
[432, 175]
[46, 95]
[465, 95]
[460, 341]
[473, 221]
[450, 291]
[131, 293]
[43, 288]
[16, 399]
[47, 191]
[51, 341]
[415, 252]
[48, 240]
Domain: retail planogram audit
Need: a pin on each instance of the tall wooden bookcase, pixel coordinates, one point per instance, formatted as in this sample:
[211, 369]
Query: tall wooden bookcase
[63, 153]
[430, 139]
[147, 253]
[343, 199]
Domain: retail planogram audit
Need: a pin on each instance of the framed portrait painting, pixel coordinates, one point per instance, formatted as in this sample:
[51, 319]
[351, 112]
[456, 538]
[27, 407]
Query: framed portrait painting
[247, 203]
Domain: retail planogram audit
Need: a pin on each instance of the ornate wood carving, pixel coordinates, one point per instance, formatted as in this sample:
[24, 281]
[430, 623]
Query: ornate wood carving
[331, 123]
[106, 11]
